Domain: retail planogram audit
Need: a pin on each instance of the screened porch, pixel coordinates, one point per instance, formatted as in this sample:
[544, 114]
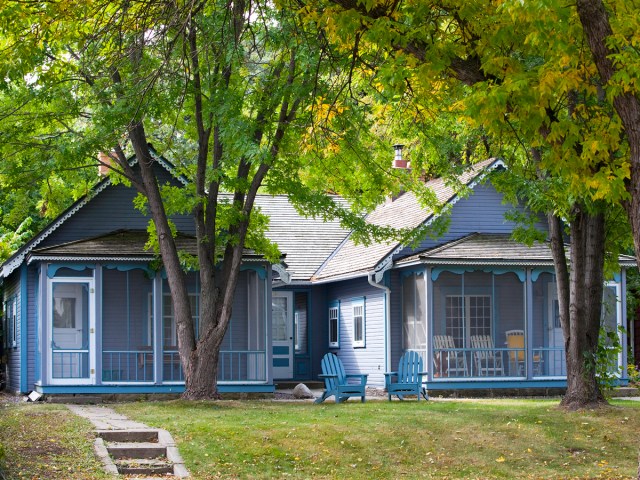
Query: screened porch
[489, 324]
[138, 349]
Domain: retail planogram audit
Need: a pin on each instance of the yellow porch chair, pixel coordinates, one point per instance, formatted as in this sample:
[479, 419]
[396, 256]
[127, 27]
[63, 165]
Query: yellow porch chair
[515, 344]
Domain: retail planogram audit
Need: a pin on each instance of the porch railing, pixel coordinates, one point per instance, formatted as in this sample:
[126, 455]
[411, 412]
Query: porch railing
[123, 366]
[69, 364]
[127, 366]
[497, 362]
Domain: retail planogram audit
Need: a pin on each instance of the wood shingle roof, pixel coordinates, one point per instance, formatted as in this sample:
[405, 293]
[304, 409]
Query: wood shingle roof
[405, 212]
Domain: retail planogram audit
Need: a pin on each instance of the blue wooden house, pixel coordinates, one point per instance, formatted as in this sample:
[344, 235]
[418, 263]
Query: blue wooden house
[87, 312]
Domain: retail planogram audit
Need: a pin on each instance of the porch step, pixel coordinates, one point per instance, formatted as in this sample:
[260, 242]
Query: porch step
[124, 436]
[144, 467]
[136, 450]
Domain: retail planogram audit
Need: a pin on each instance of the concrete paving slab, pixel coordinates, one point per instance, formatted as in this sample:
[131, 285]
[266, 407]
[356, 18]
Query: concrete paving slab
[104, 418]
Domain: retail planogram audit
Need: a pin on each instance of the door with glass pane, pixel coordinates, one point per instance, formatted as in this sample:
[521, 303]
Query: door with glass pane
[71, 330]
[282, 334]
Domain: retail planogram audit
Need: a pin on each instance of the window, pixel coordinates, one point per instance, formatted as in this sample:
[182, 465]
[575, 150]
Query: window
[466, 316]
[12, 323]
[169, 333]
[334, 326]
[296, 331]
[358, 323]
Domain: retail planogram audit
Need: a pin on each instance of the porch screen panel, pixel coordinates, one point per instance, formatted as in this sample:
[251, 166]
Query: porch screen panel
[254, 362]
[479, 314]
[510, 328]
[455, 325]
[127, 326]
[408, 311]
[446, 288]
[610, 304]
[171, 364]
[414, 312]
[548, 340]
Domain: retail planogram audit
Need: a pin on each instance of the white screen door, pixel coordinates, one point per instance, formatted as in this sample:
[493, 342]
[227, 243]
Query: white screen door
[71, 331]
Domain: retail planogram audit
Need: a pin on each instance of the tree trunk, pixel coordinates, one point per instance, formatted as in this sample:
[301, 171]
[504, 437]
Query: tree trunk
[580, 289]
[597, 28]
[203, 370]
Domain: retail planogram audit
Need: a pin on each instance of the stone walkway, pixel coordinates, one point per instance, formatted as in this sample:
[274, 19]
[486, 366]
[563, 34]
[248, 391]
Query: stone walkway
[108, 422]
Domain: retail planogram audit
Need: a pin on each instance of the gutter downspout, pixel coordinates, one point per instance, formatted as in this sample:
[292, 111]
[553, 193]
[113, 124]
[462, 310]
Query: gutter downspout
[387, 321]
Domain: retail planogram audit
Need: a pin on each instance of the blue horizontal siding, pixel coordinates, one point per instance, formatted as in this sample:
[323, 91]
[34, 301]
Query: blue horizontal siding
[112, 210]
[12, 289]
[370, 358]
[494, 384]
[483, 211]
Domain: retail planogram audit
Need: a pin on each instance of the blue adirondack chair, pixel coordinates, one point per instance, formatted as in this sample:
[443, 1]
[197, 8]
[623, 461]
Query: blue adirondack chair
[338, 383]
[408, 379]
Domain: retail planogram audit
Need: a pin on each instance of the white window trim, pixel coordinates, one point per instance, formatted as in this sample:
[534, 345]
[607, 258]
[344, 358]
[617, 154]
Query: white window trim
[359, 303]
[334, 307]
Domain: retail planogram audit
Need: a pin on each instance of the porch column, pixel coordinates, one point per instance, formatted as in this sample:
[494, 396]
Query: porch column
[623, 322]
[429, 322]
[97, 282]
[43, 316]
[158, 356]
[528, 320]
[268, 311]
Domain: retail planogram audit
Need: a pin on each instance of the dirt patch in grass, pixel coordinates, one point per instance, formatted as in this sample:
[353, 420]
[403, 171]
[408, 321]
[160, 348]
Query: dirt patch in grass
[45, 442]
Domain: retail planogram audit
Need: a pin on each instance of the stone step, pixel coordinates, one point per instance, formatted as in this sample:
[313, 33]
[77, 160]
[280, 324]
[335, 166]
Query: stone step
[144, 467]
[136, 450]
[129, 436]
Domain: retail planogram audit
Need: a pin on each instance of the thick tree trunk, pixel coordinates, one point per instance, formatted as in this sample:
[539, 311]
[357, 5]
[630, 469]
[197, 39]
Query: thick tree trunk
[580, 288]
[597, 28]
[203, 370]
[196, 378]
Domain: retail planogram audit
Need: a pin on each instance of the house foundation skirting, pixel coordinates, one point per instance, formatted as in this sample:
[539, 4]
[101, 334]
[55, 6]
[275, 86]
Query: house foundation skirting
[144, 389]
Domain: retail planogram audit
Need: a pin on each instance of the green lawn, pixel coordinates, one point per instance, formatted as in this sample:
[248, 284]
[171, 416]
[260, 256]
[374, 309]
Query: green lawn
[437, 439]
[41, 441]
[265, 439]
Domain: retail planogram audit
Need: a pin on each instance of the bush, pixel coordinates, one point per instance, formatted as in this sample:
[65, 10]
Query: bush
[634, 375]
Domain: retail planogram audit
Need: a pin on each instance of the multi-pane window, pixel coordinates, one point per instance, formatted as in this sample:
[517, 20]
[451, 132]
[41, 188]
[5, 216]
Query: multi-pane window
[467, 316]
[358, 323]
[334, 324]
[169, 332]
